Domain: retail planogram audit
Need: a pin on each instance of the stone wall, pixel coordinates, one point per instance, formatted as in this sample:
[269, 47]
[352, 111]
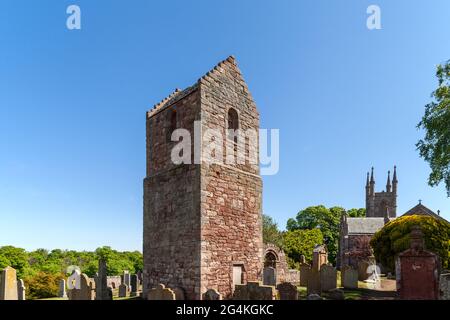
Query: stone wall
[231, 193]
[201, 220]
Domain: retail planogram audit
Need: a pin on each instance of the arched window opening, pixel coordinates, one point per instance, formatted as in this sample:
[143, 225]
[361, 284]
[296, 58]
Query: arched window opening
[270, 260]
[233, 125]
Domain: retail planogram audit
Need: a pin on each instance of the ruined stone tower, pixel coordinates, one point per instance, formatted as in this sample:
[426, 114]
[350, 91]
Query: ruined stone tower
[381, 204]
[202, 221]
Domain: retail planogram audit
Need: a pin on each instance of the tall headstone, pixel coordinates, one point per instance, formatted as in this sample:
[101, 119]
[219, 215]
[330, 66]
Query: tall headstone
[304, 274]
[20, 290]
[126, 278]
[328, 278]
[269, 276]
[320, 257]
[313, 282]
[101, 287]
[417, 270]
[62, 289]
[134, 281]
[8, 284]
[349, 277]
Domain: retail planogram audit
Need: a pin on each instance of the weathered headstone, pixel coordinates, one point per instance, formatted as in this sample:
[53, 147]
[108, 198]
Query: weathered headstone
[349, 278]
[320, 257]
[126, 278]
[62, 289]
[444, 286]
[86, 289]
[417, 270]
[287, 291]
[101, 286]
[254, 290]
[109, 292]
[161, 293]
[212, 294]
[269, 276]
[328, 278]
[304, 273]
[313, 284]
[124, 290]
[8, 284]
[134, 281]
[21, 290]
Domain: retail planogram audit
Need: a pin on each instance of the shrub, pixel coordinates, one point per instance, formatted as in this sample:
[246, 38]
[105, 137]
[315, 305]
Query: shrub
[394, 238]
[42, 285]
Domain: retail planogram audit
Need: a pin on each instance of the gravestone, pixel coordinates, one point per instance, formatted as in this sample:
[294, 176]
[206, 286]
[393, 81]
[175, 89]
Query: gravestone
[124, 290]
[101, 287]
[269, 276]
[20, 290]
[8, 284]
[444, 287]
[126, 278]
[417, 270]
[86, 289]
[161, 293]
[254, 291]
[320, 257]
[349, 278]
[62, 289]
[212, 294]
[336, 294]
[134, 281]
[287, 291]
[313, 284]
[328, 278]
[304, 273]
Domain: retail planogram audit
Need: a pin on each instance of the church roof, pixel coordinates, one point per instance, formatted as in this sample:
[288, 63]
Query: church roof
[364, 225]
[421, 210]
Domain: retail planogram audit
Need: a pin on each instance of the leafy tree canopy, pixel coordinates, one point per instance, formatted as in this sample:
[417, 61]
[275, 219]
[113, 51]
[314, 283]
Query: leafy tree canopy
[394, 238]
[325, 219]
[271, 233]
[435, 146]
[301, 242]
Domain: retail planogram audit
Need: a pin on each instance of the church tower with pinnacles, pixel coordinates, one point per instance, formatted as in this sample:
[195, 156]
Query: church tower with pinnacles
[381, 204]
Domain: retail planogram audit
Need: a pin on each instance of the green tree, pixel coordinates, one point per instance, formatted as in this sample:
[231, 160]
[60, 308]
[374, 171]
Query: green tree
[17, 258]
[355, 213]
[42, 285]
[301, 242]
[327, 220]
[271, 233]
[435, 146]
[394, 238]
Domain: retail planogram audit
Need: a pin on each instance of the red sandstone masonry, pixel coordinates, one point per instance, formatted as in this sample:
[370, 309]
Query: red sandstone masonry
[200, 220]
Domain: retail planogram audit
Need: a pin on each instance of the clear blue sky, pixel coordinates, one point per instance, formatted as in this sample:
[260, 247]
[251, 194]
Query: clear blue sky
[73, 103]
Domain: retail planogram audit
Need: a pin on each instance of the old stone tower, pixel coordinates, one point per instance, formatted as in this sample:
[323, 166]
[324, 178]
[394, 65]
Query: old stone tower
[381, 204]
[202, 221]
